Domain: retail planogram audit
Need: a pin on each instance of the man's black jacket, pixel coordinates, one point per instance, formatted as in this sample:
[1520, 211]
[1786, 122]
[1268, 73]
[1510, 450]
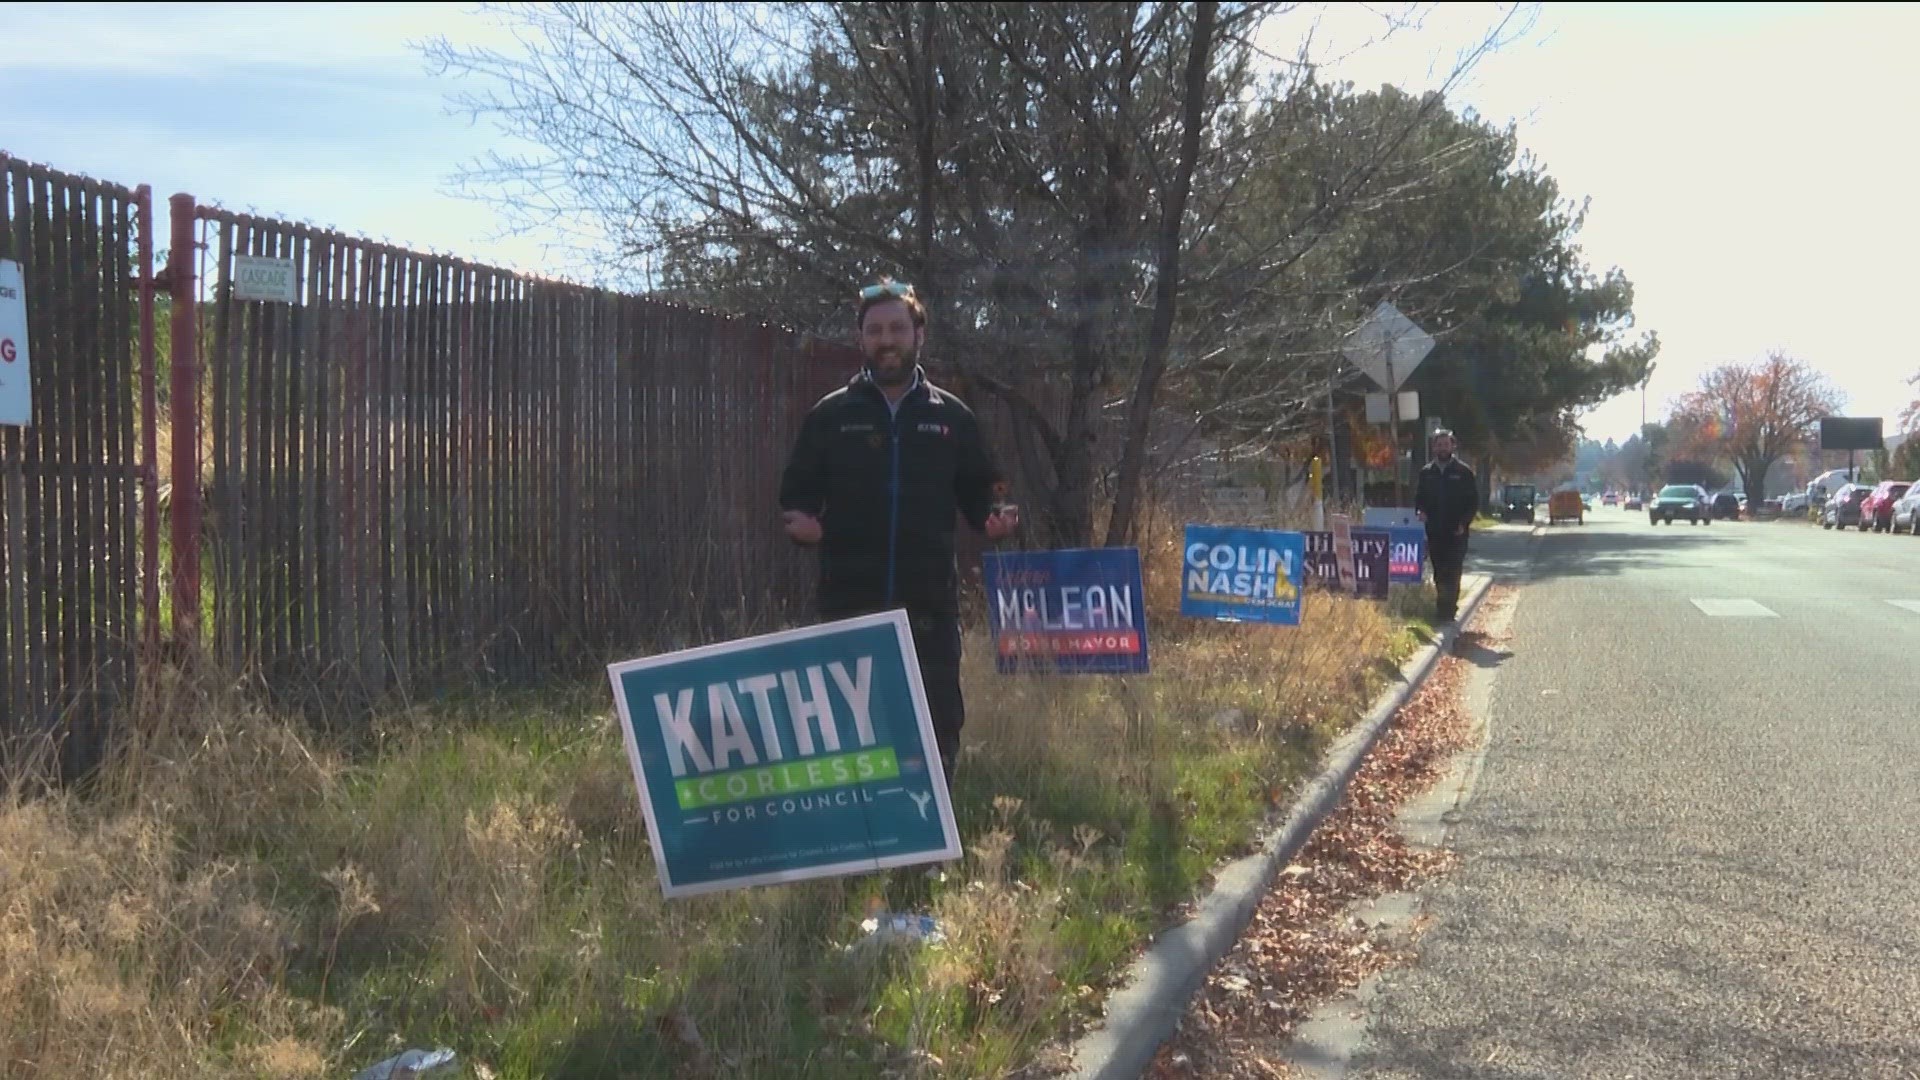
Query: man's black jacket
[1449, 496]
[886, 486]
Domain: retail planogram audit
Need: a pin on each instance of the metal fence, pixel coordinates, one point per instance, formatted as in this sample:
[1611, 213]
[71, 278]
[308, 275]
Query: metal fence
[71, 610]
[424, 471]
[410, 473]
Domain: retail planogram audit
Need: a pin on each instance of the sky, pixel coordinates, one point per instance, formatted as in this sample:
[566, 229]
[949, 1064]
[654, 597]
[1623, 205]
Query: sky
[1750, 167]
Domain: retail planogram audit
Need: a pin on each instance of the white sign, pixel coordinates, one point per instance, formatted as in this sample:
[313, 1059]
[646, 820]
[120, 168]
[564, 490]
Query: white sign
[1388, 346]
[1378, 409]
[1409, 404]
[1343, 552]
[16, 383]
[1387, 517]
[263, 277]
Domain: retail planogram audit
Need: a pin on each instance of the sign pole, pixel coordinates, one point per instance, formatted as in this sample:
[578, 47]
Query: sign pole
[1333, 429]
[1393, 420]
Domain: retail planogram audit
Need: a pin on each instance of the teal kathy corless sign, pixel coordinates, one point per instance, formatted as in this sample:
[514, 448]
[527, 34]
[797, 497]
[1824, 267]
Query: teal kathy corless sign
[807, 753]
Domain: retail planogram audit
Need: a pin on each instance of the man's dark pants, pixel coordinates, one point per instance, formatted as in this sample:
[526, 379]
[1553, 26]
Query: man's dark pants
[1448, 553]
[936, 641]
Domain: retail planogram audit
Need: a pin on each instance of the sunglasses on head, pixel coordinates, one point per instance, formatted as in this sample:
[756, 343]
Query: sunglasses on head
[886, 288]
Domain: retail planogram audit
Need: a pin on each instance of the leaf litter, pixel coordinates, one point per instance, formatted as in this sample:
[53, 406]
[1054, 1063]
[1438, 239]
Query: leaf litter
[1305, 946]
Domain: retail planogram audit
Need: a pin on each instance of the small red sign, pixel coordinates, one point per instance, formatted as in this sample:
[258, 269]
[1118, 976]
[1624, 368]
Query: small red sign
[1069, 643]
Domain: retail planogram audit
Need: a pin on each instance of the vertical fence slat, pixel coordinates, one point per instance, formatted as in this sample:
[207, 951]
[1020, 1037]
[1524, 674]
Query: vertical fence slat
[44, 326]
[467, 450]
[89, 319]
[389, 543]
[319, 365]
[20, 586]
[430, 469]
[406, 460]
[362, 529]
[217, 365]
[66, 386]
[282, 556]
[119, 586]
[350, 348]
[443, 560]
[257, 424]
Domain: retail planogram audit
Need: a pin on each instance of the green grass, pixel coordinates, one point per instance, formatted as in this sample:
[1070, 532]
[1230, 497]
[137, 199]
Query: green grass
[1038, 912]
[475, 873]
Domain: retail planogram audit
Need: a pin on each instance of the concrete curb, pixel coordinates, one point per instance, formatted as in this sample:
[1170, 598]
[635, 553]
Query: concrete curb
[1143, 1013]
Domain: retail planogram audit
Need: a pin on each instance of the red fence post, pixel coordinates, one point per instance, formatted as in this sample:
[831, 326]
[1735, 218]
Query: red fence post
[185, 390]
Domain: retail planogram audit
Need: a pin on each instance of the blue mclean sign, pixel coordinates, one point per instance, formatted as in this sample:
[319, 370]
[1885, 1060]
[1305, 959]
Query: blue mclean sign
[1408, 556]
[802, 754]
[1083, 610]
[1242, 575]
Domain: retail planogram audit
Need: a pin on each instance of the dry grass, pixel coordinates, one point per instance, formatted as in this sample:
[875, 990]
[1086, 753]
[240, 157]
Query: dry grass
[238, 896]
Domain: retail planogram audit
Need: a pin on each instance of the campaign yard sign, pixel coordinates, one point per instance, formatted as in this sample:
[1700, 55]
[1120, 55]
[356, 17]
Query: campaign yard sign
[1242, 575]
[1371, 559]
[1082, 610]
[801, 754]
[1408, 555]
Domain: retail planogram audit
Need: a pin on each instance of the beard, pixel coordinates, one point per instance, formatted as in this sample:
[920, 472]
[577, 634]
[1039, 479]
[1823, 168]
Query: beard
[891, 368]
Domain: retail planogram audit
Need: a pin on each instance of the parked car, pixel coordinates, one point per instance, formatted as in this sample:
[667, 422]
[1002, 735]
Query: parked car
[1680, 501]
[1516, 502]
[1843, 507]
[1876, 510]
[1726, 506]
[1906, 511]
[1821, 489]
[1794, 502]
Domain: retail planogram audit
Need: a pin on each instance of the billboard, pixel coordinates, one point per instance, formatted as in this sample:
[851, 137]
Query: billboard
[1851, 433]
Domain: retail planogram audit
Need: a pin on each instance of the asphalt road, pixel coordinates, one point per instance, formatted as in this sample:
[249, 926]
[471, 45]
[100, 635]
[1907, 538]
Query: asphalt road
[1692, 848]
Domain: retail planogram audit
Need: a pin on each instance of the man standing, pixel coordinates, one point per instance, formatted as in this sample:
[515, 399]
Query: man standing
[1446, 499]
[876, 476]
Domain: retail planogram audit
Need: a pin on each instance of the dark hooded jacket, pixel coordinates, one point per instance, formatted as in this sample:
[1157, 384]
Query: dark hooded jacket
[886, 486]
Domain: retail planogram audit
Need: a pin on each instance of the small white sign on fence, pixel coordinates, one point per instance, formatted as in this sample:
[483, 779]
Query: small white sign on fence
[16, 382]
[264, 277]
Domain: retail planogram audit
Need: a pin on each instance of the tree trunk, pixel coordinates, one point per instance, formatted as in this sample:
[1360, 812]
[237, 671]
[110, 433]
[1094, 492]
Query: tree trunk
[1073, 463]
[1753, 477]
[1166, 282]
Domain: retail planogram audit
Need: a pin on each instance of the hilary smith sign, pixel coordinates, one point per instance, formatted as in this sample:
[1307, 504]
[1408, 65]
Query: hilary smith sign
[801, 754]
[1081, 610]
[1242, 575]
[1371, 561]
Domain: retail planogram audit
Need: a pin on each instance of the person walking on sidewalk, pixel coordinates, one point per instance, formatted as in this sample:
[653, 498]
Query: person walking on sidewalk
[876, 476]
[1446, 499]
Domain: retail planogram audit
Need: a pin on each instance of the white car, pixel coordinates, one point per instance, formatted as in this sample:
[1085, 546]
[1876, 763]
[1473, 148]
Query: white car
[1794, 503]
[1906, 511]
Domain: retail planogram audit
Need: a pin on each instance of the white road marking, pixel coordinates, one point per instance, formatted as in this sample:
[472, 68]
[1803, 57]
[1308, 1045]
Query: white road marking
[1910, 605]
[1735, 609]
